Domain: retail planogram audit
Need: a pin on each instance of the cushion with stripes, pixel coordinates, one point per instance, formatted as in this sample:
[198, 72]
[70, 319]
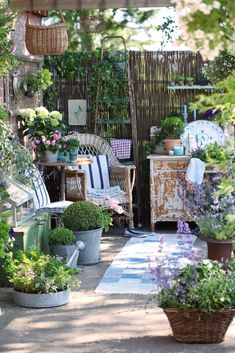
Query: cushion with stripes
[97, 173]
[41, 196]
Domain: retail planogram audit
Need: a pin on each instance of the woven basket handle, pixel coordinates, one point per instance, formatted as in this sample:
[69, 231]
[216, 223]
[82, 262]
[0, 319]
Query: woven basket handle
[60, 12]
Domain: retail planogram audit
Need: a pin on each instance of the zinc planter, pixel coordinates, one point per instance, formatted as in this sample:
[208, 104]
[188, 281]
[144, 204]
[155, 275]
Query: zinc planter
[64, 251]
[91, 239]
[35, 300]
[51, 157]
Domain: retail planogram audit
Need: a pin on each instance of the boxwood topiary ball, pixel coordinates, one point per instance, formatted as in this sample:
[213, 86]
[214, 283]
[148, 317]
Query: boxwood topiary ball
[82, 215]
[61, 236]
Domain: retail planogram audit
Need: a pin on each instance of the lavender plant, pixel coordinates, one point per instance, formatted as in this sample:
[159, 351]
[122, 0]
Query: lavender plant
[212, 211]
[203, 286]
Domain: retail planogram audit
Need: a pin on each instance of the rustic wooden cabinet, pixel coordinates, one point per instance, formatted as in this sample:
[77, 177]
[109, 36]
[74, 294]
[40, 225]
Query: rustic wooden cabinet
[165, 203]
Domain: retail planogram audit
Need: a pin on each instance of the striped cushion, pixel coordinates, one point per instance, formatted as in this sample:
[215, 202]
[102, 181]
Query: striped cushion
[97, 172]
[41, 196]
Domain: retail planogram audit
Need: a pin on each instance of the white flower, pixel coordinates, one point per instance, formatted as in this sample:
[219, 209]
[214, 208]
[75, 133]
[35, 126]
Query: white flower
[216, 4]
[207, 263]
[56, 115]
[42, 112]
[28, 113]
[183, 262]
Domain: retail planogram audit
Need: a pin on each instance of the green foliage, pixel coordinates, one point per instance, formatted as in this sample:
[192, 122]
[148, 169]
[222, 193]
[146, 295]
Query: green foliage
[4, 238]
[44, 128]
[111, 100]
[72, 143]
[179, 78]
[81, 37]
[61, 236]
[168, 28]
[222, 100]
[33, 272]
[204, 286]
[22, 168]
[6, 146]
[220, 68]
[82, 215]
[8, 59]
[189, 79]
[39, 80]
[3, 114]
[172, 127]
[107, 220]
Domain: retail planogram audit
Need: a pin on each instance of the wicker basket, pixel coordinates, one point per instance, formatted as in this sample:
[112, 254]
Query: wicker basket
[192, 326]
[42, 40]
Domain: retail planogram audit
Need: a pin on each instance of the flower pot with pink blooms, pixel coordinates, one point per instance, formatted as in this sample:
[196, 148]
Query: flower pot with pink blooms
[45, 129]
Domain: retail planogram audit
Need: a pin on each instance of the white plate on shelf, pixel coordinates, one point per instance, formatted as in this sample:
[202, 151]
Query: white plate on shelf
[203, 132]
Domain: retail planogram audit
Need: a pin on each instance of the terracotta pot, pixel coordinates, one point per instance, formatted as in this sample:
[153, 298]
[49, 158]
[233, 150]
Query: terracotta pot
[220, 250]
[171, 143]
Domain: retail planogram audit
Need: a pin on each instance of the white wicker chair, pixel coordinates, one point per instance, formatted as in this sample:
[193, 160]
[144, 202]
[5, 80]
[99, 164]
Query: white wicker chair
[121, 175]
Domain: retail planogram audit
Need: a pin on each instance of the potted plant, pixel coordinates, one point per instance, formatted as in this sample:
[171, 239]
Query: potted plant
[85, 219]
[62, 242]
[213, 212]
[36, 81]
[45, 130]
[40, 281]
[72, 145]
[198, 299]
[170, 131]
[180, 80]
[189, 81]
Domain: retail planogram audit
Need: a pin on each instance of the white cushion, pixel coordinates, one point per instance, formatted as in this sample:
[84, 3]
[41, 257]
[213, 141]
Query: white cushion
[97, 173]
[99, 195]
[56, 207]
[41, 196]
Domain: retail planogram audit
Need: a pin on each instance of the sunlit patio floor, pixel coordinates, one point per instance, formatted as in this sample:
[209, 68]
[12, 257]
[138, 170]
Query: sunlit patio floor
[94, 322]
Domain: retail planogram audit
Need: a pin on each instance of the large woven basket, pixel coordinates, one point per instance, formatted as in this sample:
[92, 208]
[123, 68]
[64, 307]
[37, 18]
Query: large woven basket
[42, 40]
[192, 326]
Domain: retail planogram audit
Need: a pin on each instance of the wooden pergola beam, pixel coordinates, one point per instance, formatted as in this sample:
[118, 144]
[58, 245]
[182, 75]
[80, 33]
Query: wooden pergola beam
[38, 5]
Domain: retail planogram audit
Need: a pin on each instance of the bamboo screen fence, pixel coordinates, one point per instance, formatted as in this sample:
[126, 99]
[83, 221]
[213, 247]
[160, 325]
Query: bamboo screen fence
[150, 74]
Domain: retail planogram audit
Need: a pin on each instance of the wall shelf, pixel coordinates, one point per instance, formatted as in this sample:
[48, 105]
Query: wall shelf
[113, 122]
[194, 87]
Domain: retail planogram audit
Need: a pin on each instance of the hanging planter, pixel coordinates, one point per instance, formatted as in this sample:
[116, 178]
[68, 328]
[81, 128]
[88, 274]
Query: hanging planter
[50, 40]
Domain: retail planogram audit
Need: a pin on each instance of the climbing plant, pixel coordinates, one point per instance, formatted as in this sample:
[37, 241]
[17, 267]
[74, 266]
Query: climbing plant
[106, 80]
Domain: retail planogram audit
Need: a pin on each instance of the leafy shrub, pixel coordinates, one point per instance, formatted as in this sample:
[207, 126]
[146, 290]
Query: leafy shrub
[32, 272]
[61, 236]
[82, 215]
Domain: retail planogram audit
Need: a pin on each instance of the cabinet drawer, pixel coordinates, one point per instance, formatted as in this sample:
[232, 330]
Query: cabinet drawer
[170, 165]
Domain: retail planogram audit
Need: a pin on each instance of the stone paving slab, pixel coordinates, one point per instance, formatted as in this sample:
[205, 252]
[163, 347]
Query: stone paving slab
[95, 323]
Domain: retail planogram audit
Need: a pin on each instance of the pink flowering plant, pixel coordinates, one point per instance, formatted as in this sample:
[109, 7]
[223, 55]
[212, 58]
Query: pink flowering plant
[110, 207]
[44, 128]
[33, 272]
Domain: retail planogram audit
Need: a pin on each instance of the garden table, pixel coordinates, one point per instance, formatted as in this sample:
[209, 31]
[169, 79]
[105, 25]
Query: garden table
[62, 166]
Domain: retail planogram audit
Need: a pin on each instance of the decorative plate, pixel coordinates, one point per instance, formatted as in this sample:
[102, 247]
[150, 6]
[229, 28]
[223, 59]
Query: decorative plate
[203, 132]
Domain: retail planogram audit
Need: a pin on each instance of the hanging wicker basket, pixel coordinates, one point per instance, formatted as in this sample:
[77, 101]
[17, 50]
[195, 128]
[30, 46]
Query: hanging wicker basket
[46, 40]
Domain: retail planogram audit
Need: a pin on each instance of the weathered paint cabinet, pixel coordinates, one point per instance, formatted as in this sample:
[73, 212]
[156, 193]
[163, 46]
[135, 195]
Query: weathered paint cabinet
[33, 232]
[164, 184]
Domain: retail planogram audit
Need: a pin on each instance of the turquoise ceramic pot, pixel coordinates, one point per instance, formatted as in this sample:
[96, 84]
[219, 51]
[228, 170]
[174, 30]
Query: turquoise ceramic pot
[73, 155]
